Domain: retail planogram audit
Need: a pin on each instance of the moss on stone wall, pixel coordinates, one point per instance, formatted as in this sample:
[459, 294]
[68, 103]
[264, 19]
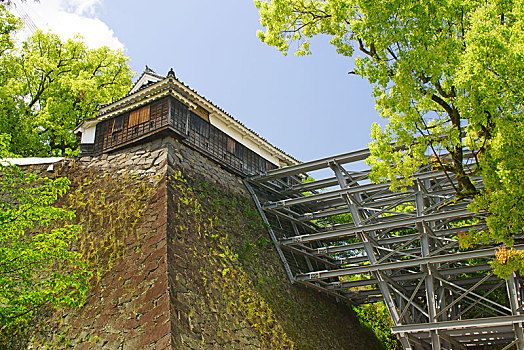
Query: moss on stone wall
[226, 310]
[110, 208]
[119, 212]
[183, 261]
[230, 288]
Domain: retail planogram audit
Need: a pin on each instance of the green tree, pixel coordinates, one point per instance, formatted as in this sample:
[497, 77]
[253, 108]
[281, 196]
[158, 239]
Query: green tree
[39, 270]
[449, 77]
[376, 317]
[48, 86]
[8, 24]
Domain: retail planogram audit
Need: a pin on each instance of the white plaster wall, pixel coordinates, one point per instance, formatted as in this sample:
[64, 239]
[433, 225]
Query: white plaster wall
[245, 141]
[88, 135]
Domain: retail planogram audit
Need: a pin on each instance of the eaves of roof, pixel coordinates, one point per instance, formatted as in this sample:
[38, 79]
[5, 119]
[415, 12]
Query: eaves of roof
[290, 158]
[153, 90]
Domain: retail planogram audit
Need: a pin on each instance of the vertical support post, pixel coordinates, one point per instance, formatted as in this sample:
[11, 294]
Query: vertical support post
[188, 113]
[368, 247]
[430, 283]
[270, 230]
[169, 116]
[513, 296]
[297, 233]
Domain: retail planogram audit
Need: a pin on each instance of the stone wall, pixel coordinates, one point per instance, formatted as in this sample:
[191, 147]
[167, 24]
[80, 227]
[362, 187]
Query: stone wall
[153, 157]
[129, 307]
[197, 271]
[228, 287]
[128, 304]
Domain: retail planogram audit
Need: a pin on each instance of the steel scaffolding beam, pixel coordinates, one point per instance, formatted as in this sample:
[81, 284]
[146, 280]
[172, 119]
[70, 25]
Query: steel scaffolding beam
[360, 242]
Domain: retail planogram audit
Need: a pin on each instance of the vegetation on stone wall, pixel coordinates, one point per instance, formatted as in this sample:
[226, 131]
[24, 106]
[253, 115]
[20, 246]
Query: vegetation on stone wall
[39, 268]
[235, 267]
[225, 285]
[121, 212]
[109, 207]
[58, 254]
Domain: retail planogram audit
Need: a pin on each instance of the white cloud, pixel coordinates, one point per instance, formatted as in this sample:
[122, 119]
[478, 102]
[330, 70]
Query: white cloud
[68, 18]
[85, 7]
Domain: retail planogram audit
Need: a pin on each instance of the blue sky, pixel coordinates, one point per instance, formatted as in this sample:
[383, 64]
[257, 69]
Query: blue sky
[308, 106]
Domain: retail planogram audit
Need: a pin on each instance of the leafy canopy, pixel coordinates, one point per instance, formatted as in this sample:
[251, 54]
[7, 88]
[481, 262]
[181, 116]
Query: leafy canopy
[47, 86]
[449, 77]
[38, 267]
[376, 317]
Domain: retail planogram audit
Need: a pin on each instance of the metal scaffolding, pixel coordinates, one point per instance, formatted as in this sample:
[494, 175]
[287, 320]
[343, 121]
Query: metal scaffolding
[360, 242]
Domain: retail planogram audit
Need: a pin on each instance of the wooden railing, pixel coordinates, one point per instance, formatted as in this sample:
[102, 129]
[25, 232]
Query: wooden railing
[129, 134]
[200, 134]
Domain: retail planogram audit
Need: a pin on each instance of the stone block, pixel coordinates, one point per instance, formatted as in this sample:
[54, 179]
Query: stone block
[154, 333]
[130, 323]
[164, 342]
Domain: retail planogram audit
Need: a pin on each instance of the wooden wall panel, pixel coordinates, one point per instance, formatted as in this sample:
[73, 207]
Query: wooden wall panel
[139, 116]
[202, 113]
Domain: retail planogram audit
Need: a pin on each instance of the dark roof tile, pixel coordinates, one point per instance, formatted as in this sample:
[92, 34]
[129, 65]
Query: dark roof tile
[151, 72]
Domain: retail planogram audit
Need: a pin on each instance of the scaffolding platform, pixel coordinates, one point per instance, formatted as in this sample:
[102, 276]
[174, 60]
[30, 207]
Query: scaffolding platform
[358, 241]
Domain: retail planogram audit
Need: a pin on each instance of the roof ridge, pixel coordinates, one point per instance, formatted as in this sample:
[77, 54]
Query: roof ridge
[171, 75]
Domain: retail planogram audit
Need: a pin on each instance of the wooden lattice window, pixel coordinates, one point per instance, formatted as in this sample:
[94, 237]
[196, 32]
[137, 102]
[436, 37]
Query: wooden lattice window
[239, 151]
[118, 124]
[231, 145]
[199, 125]
[139, 116]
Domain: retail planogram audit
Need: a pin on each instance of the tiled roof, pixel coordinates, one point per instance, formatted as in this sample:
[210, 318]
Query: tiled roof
[238, 121]
[151, 72]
